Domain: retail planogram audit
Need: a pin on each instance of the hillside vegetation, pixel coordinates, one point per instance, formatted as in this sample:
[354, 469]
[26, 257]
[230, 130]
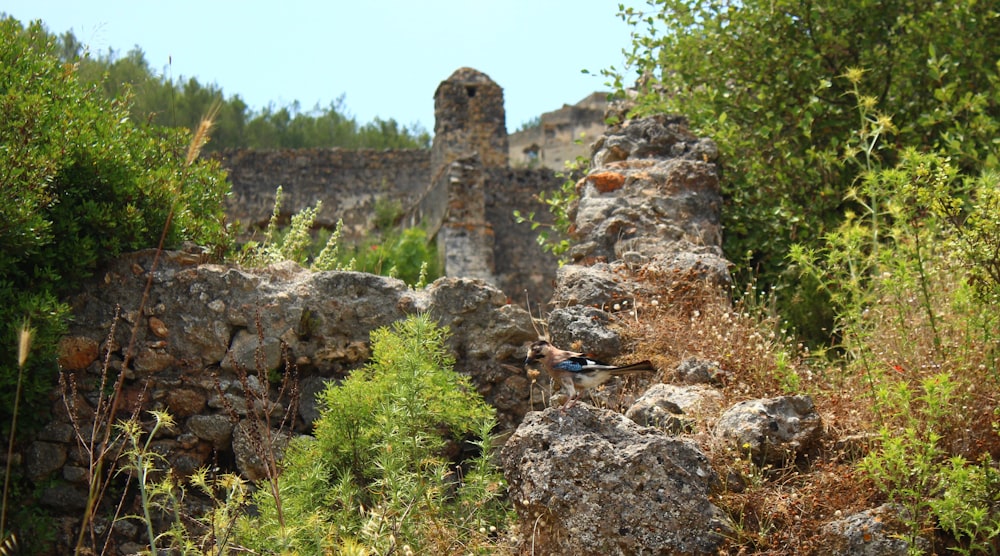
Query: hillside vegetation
[157, 99]
[859, 152]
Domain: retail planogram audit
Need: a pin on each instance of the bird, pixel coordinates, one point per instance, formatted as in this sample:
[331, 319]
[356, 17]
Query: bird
[575, 371]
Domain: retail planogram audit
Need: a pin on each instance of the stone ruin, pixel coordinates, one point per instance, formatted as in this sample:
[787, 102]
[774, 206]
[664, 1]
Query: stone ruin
[561, 135]
[586, 481]
[463, 191]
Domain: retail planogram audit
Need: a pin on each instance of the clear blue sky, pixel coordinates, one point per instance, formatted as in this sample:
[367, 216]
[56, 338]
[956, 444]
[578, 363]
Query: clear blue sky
[387, 57]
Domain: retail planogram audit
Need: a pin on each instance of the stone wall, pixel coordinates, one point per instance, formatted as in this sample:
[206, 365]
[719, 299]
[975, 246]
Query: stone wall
[522, 269]
[348, 182]
[205, 340]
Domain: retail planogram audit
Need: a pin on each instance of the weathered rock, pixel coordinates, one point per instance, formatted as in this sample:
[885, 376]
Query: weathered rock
[588, 482]
[589, 327]
[594, 286]
[185, 402]
[56, 432]
[700, 371]
[488, 338]
[157, 327]
[658, 407]
[773, 431]
[249, 353]
[695, 265]
[65, 499]
[309, 387]
[77, 352]
[41, 459]
[660, 136]
[250, 442]
[216, 429]
[867, 533]
[665, 199]
[75, 474]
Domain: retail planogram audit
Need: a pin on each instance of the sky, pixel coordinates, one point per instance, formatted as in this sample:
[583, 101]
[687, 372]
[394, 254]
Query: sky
[386, 57]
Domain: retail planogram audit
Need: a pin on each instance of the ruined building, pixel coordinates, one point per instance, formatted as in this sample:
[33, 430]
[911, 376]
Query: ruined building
[561, 135]
[464, 191]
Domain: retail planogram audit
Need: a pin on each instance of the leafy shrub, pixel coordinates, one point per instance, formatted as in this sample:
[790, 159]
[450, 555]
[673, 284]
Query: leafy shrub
[381, 473]
[909, 278]
[404, 254]
[82, 183]
[764, 78]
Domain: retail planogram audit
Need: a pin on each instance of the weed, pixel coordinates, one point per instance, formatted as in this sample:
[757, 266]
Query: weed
[404, 254]
[25, 337]
[264, 437]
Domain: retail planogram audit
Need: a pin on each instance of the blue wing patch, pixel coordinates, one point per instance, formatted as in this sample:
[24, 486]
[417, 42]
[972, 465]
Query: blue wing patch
[579, 364]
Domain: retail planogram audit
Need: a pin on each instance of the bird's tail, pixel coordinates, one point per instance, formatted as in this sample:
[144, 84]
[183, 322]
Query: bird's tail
[641, 366]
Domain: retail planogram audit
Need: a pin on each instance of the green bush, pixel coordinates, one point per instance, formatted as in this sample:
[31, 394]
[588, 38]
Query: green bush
[406, 255]
[82, 183]
[766, 80]
[382, 473]
[910, 280]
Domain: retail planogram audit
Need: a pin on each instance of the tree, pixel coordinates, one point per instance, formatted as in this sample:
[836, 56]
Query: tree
[767, 80]
[82, 182]
[182, 102]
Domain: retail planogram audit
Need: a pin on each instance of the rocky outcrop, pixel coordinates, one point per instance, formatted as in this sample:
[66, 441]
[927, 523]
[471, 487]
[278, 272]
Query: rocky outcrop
[772, 431]
[651, 201]
[591, 482]
[653, 193]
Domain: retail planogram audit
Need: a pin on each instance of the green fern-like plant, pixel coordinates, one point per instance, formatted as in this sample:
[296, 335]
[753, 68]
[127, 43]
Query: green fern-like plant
[377, 474]
[405, 254]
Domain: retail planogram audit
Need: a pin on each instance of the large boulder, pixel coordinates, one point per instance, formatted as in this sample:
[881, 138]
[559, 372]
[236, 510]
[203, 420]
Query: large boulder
[773, 431]
[591, 482]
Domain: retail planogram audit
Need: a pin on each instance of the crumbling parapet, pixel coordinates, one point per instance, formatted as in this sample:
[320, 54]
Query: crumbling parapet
[651, 201]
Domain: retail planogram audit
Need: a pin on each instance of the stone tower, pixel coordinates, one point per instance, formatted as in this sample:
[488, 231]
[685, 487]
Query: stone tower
[470, 136]
[469, 118]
